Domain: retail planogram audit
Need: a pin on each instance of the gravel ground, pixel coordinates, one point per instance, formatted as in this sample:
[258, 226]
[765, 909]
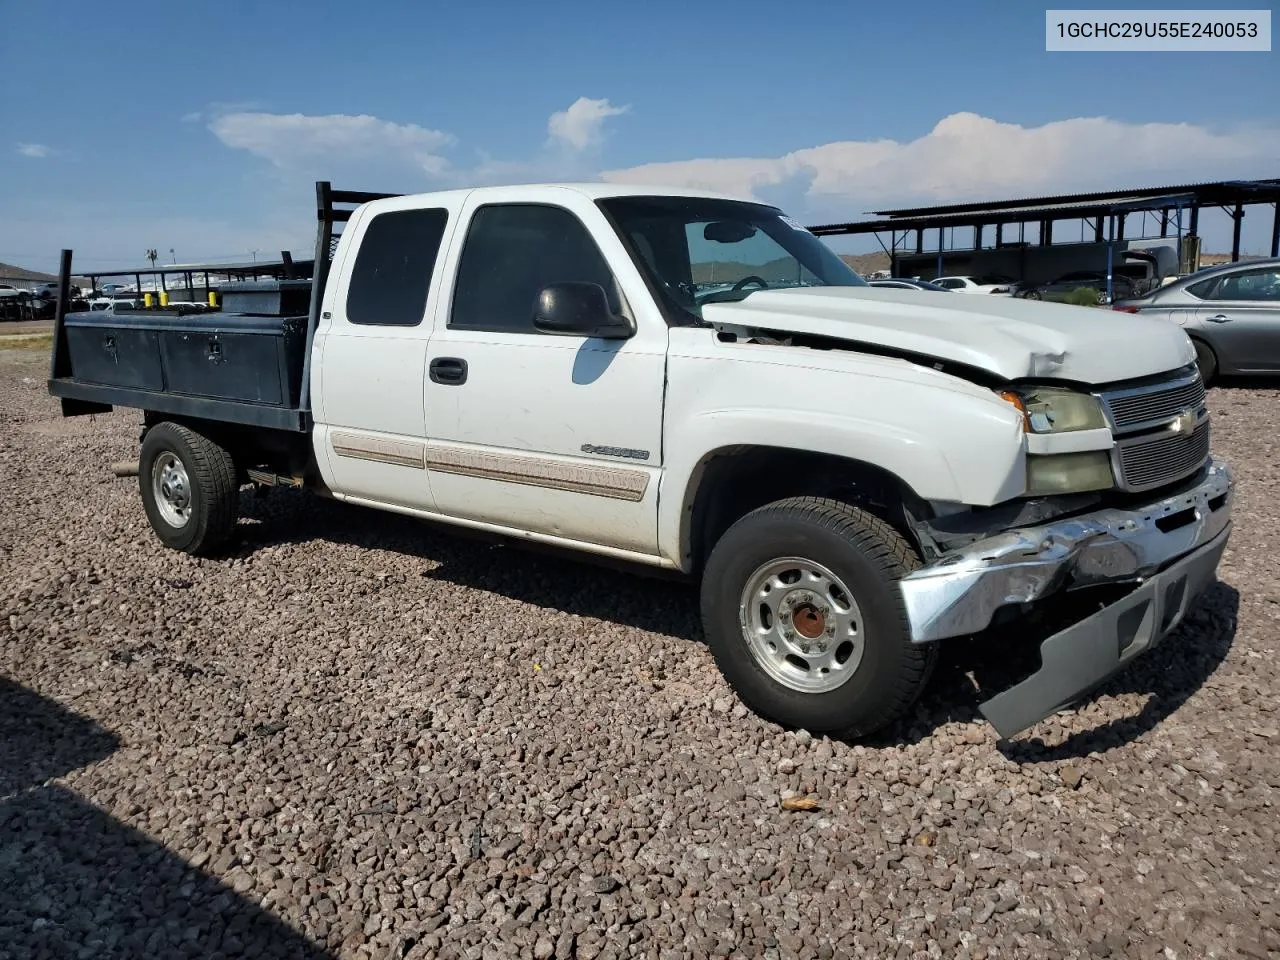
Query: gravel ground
[361, 736]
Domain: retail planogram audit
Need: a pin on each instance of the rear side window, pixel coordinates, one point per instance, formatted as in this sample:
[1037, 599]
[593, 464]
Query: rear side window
[1204, 289]
[393, 267]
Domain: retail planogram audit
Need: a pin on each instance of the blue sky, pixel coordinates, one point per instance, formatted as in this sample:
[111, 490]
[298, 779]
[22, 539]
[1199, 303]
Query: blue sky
[200, 127]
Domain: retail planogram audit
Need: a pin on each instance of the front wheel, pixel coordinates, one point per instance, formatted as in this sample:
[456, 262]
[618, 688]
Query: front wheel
[189, 489]
[802, 612]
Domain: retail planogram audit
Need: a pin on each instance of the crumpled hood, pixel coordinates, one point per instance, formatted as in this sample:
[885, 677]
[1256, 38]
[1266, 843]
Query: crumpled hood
[1009, 337]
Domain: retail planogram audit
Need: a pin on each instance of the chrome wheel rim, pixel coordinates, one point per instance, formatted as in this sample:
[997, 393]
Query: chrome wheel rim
[171, 489]
[802, 625]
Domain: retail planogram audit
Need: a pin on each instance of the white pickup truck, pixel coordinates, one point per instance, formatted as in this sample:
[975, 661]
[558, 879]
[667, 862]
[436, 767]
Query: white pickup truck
[697, 383]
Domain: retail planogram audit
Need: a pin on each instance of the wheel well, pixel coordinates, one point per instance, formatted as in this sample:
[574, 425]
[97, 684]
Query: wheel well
[279, 450]
[734, 482]
[1198, 342]
[1195, 338]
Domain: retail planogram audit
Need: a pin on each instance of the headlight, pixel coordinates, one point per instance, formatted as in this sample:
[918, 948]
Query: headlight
[1068, 473]
[1055, 409]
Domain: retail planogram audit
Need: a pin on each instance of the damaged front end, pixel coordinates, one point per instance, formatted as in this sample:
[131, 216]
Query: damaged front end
[1167, 549]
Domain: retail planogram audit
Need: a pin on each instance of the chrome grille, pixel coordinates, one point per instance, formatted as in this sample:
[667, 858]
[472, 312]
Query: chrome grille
[1154, 459]
[1132, 409]
[1161, 430]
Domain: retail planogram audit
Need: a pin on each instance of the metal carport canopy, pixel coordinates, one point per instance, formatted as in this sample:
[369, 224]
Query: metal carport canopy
[1011, 214]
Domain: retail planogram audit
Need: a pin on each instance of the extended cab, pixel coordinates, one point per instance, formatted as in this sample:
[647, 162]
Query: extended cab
[698, 383]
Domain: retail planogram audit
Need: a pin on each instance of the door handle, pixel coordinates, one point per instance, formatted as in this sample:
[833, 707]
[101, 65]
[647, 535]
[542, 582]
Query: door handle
[448, 371]
[1218, 318]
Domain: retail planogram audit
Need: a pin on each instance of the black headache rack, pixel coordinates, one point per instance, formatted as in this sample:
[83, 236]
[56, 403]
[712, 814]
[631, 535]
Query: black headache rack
[248, 365]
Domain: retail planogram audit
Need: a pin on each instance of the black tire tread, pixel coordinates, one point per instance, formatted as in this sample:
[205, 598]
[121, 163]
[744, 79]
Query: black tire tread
[214, 472]
[895, 557]
[1209, 369]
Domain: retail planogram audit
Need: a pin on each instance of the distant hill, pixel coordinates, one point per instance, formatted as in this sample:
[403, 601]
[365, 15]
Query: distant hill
[24, 278]
[784, 268]
[865, 263]
[21, 277]
[731, 271]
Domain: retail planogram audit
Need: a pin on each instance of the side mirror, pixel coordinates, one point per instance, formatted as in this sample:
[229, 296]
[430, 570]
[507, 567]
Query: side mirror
[573, 308]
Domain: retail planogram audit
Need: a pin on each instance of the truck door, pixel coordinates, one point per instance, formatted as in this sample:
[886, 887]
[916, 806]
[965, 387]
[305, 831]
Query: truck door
[1241, 320]
[554, 435]
[370, 430]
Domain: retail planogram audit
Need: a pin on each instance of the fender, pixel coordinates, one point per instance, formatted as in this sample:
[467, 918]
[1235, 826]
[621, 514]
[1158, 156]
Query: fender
[919, 425]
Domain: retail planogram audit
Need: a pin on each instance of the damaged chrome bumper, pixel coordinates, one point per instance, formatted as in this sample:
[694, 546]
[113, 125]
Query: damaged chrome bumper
[1170, 547]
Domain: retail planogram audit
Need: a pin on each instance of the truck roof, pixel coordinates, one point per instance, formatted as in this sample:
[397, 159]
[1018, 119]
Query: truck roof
[590, 190]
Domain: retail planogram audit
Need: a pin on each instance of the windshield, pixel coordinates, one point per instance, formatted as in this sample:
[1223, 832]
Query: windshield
[694, 251]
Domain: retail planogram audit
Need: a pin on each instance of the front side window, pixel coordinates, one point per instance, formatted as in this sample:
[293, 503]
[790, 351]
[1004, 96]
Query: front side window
[694, 251]
[393, 267]
[1254, 285]
[514, 250]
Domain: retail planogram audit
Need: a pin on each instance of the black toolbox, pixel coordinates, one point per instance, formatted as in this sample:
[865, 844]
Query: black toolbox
[220, 356]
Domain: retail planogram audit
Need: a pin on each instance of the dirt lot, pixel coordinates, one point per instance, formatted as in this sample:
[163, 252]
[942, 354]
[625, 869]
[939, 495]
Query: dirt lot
[360, 736]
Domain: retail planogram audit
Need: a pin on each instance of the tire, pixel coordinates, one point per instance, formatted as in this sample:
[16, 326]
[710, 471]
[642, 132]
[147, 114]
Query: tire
[1206, 360]
[198, 513]
[866, 557]
[1033, 295]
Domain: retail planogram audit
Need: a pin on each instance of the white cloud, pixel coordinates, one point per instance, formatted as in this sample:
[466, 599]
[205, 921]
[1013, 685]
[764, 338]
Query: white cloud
[36, 151]
[298, 140]
[737, 176]
[582, 125]
[969, 157]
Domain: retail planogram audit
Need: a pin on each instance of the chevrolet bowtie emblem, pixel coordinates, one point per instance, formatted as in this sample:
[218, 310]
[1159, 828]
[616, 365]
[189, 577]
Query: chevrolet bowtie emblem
[1183, 423]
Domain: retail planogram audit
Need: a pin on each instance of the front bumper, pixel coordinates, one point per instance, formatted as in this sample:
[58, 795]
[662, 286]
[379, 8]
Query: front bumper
[1169, 547]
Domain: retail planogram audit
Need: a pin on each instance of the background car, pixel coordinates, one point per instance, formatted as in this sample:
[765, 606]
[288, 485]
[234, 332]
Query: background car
[1059, 290]
[1231, 313]
[902, 283]
[987, 284]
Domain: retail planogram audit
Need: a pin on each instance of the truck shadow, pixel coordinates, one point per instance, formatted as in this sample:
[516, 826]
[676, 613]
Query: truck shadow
[543, 577]
[969, 670]
[75, 881]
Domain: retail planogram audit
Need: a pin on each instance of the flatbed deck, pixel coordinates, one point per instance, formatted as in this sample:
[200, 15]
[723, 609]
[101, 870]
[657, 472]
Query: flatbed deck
[251, 369]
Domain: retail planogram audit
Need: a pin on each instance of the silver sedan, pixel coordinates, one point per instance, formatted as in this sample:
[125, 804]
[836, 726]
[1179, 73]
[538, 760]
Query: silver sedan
[1231, 313]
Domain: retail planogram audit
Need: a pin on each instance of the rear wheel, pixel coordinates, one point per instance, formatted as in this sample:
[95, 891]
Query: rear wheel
[1206, 360]
[189, 489]
[802, 612]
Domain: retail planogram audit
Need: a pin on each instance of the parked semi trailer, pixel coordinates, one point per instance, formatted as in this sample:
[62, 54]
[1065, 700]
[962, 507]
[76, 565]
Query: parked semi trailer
[854, 475]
